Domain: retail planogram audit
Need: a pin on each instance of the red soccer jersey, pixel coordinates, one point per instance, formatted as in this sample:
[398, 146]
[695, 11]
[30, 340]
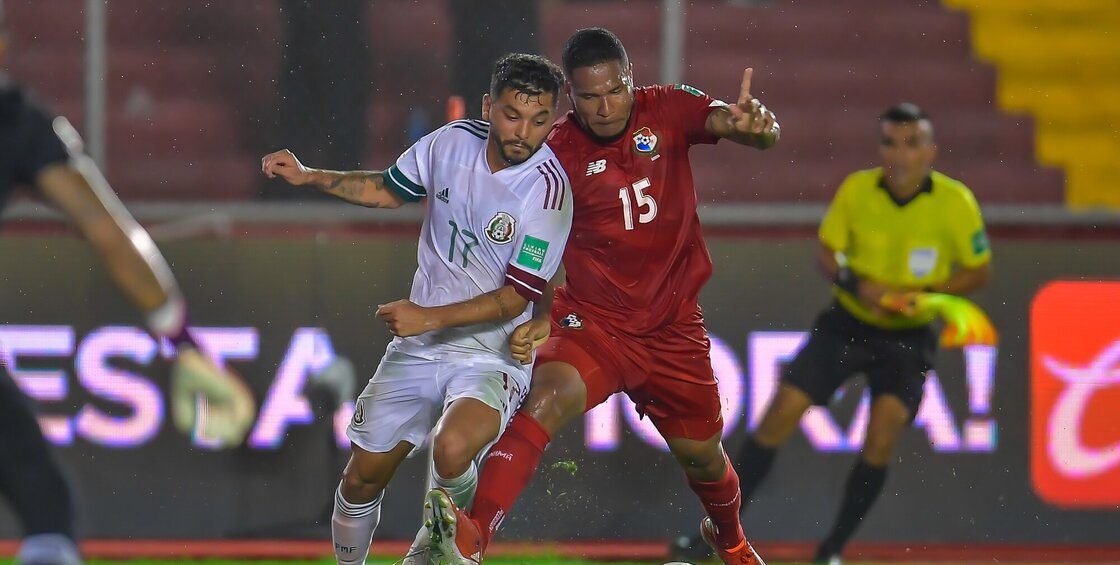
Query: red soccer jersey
[636, 257]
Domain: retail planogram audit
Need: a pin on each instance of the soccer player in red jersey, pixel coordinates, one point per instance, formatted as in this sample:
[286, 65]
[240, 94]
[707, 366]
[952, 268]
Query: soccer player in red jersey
[627, 318]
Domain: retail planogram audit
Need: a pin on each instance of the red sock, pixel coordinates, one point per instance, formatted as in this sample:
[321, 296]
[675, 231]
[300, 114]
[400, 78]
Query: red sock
[721, 500]
[509, 467]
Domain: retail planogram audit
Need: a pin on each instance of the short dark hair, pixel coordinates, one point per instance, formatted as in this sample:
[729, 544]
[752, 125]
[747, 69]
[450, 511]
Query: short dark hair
[903, 113]
[531, 74]
[591, 46]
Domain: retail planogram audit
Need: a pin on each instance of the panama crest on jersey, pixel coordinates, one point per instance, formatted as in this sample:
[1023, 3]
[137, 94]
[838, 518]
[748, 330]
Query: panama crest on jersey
[645, 141]
[572, 322]
[501, 228]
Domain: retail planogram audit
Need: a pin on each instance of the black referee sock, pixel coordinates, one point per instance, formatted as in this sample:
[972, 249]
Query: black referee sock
[30, 476]
[863, 487]
[752, 464]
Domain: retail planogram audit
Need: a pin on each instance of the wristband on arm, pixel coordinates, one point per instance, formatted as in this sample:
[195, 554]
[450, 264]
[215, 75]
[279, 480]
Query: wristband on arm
[847, 280]
[170, 321]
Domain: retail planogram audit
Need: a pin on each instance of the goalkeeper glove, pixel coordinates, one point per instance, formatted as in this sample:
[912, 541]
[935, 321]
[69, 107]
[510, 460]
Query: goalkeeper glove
[207, 401]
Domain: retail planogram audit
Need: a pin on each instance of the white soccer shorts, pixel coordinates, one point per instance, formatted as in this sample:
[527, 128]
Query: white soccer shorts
[408, 393]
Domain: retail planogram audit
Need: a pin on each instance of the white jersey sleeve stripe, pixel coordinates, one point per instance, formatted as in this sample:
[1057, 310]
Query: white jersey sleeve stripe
[529, 293]
[528, 281]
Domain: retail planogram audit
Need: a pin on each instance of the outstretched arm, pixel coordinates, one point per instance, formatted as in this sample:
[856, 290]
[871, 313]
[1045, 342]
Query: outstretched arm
[78, 189]
[364, 188]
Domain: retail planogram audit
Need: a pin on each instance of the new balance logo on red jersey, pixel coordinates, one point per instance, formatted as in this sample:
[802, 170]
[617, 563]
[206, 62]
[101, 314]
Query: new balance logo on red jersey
[555, 187]
[596, 167]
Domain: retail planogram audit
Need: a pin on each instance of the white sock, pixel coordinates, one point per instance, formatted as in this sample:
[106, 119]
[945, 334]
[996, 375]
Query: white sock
[48, 548]
[352, 527]
[460, 489]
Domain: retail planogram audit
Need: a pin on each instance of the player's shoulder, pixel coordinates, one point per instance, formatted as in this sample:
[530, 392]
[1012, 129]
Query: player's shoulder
[567, 141]
[462, 132]
[950, 186]
[674, 93]
[458, 141]
[564, 132]
[544, 182]
[952, 190]
[861, 182]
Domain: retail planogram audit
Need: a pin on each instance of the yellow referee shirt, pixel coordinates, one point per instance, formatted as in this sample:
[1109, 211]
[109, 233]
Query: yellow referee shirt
[915, 244]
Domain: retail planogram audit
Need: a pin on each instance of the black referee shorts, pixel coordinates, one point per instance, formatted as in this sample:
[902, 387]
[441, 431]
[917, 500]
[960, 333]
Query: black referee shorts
[840, 346]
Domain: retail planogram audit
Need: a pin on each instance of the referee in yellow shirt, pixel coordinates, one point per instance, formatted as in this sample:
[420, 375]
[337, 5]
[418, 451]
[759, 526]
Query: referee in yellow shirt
[900, 227]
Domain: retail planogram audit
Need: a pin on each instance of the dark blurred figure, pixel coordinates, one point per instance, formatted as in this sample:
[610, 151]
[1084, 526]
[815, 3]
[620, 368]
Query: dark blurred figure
[484, 31]
[325, 83]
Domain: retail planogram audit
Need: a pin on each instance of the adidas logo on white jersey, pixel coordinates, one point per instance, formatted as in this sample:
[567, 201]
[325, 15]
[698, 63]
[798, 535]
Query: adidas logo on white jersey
[596, 167]
[444, 195]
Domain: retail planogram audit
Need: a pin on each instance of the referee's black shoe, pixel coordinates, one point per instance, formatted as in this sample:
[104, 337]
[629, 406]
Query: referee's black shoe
[690, 548]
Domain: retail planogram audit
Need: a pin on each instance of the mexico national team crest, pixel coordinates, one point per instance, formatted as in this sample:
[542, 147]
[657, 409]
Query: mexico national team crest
[645, 142]
[500, 229]
[359, 414]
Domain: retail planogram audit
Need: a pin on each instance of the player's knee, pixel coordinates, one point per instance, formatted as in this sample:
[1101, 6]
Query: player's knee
[782, 416]
[358, 487]
[451, 454]
[877, 449]
[703, 461]
[708, 465]
[775, 429]
[556, 397]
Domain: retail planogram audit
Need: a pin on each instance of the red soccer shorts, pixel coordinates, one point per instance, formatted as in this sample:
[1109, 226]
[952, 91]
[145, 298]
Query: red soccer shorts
[668, 375]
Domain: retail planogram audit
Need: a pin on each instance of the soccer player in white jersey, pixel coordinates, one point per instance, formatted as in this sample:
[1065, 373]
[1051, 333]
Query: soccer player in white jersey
[498, 215]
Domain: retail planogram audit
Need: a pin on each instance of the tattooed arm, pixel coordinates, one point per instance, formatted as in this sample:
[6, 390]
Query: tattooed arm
[364, 188]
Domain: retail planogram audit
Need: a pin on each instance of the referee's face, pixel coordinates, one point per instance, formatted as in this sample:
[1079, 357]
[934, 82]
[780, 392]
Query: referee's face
[907, 150]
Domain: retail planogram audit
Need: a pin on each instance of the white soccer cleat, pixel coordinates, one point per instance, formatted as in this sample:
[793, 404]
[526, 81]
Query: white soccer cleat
[421, 552]
[452, 534]
[48, 549]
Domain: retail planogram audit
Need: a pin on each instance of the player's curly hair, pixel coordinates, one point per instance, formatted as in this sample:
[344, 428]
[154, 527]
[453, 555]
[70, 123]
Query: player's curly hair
[590, 46]
[529, 74]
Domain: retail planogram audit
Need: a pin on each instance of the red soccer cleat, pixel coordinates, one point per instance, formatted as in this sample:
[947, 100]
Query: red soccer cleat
[742, 554]
[454, 535]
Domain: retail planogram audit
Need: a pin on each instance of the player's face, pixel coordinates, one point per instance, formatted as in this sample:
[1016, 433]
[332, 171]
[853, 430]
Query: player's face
[519, 123]
[907, 150]
[603, 96]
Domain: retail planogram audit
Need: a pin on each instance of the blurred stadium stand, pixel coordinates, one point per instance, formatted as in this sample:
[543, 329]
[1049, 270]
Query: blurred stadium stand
[192, 88]
[1060, 61]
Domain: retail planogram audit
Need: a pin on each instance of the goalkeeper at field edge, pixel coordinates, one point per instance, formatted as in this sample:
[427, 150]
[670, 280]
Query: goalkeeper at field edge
[45, 153]
[898, 242]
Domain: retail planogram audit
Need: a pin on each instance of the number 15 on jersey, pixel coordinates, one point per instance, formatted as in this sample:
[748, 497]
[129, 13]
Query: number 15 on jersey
[640, 200]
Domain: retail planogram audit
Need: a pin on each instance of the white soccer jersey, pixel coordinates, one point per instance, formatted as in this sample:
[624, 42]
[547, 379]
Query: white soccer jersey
[482, 230]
